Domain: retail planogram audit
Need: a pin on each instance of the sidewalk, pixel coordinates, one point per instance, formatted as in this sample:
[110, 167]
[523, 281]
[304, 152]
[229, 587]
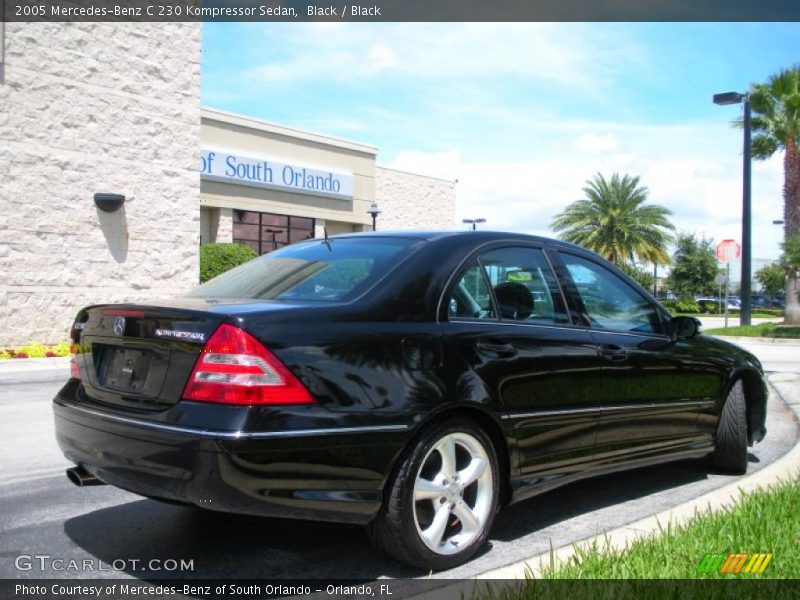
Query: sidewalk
[26, 370]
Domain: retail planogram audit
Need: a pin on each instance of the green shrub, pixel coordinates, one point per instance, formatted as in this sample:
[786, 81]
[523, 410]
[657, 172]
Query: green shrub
[686, 305]
[669, 305]
[215, 259]
[709, 307]
[786, 331]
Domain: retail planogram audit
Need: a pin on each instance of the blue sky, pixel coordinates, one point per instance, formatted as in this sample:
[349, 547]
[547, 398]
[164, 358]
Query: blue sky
[522, 114]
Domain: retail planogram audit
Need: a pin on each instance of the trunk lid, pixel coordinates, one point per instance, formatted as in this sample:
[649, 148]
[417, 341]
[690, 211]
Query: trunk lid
[140, 356]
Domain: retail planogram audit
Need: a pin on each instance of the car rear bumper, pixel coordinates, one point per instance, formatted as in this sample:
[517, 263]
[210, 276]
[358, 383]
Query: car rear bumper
[325, 474]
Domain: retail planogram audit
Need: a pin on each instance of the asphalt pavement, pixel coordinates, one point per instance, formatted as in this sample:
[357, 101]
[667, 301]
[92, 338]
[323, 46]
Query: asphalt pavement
[44, 514]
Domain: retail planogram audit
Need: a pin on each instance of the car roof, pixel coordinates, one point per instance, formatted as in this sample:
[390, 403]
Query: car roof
[482, 236]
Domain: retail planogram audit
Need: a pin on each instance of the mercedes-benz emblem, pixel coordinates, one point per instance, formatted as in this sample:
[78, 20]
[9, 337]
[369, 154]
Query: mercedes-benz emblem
[119, 325]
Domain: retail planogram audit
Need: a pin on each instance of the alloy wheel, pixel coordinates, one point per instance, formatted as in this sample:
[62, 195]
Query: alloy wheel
[453, 493]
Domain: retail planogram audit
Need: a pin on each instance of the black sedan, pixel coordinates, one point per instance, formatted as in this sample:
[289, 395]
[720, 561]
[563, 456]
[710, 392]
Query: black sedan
[411, 382]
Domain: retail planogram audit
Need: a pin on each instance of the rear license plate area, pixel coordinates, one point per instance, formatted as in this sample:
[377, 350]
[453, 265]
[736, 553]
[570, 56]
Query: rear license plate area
[123, 369]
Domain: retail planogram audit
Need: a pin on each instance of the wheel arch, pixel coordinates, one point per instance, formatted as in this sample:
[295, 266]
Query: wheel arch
[485, 421]
[755, 397]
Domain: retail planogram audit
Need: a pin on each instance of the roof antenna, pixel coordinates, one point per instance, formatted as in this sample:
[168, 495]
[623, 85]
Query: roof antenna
[326, 242]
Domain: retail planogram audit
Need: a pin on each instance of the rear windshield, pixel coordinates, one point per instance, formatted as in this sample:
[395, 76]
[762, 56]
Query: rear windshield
[336, 270]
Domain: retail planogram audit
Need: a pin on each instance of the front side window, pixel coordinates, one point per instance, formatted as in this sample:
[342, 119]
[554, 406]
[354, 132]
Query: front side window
[609, 301]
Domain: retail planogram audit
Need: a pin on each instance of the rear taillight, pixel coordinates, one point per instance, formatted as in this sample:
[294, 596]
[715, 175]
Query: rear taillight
[234, 368]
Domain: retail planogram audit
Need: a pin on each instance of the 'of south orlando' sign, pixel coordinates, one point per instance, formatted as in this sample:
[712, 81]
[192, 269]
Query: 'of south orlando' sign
[259, 172]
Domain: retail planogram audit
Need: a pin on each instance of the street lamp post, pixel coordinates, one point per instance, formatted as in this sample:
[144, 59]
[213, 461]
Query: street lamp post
[473, 222]
[655, 279]
[374, 211]
[737, 98]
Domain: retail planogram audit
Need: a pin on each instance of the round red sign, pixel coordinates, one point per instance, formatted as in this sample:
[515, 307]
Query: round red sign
[728, 250]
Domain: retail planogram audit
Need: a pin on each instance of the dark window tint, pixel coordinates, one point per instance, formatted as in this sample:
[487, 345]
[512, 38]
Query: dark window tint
[471, 298]
[609, 301]
[339, 269]
[266, 232]
[524, 286]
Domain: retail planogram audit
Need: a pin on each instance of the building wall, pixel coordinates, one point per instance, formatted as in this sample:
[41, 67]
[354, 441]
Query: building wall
[409, 201]
[85, 108]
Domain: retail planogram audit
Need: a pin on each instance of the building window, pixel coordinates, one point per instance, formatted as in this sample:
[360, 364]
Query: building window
[265, 232]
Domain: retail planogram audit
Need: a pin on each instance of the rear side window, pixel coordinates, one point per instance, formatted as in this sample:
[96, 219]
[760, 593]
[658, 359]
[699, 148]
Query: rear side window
[336, 270]
[520, 281]
[524, 286]
[472, 298]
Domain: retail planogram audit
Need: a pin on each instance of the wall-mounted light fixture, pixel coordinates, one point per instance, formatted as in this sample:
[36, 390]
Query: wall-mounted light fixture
[109, 202]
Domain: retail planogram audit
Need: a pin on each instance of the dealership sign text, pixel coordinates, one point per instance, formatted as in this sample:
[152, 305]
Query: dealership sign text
[259, 172]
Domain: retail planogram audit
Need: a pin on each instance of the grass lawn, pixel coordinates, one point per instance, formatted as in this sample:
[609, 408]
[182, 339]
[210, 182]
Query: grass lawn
[766, 521]
[773, 330]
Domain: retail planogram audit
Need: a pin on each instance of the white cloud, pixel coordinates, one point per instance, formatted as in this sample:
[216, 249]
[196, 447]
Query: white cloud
[596, 143]
[695, 171]
[573, 55]
[381, 57]
[445, 165]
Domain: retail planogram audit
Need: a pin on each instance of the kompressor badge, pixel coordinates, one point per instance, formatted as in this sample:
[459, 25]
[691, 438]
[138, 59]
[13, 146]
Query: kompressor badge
[181, 335]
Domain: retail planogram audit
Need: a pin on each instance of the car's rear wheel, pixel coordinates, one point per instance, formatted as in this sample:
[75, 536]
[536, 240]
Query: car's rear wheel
[730, 450]
[441, 503]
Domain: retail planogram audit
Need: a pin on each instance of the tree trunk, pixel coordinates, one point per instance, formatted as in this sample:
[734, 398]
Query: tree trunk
[791, 218]
[792, 312]
[791, 189]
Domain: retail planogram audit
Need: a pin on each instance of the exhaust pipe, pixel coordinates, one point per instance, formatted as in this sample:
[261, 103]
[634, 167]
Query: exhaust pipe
[81, 477]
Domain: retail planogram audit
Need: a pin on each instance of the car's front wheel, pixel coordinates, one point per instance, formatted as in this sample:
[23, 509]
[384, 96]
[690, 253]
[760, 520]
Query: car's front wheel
[442, 500]
[730, 450]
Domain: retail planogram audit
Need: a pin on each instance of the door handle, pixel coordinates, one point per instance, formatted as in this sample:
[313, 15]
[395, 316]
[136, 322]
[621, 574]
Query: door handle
[496, 350]
[613, 353]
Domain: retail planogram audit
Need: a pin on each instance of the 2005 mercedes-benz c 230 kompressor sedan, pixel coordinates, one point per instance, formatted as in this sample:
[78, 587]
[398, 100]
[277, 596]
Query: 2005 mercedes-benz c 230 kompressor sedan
[411, 382]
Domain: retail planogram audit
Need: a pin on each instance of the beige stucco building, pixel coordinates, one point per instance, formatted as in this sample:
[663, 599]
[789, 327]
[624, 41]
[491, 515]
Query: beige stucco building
[88, 108]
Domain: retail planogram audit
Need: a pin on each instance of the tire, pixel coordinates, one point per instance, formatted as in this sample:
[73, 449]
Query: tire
[455, 505]
[730, 450]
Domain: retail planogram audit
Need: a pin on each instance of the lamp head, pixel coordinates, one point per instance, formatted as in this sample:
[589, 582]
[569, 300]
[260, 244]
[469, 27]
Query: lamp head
[728, 98]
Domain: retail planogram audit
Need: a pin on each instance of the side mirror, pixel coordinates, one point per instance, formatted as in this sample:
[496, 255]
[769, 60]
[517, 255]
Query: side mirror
[685, 327]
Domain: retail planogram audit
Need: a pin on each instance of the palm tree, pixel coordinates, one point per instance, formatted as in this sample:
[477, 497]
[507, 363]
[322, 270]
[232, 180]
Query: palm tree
[615, 222]
[776, 126]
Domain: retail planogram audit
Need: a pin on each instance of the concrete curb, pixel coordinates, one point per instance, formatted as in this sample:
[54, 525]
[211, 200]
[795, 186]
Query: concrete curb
[785, 385]
[759, 340]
